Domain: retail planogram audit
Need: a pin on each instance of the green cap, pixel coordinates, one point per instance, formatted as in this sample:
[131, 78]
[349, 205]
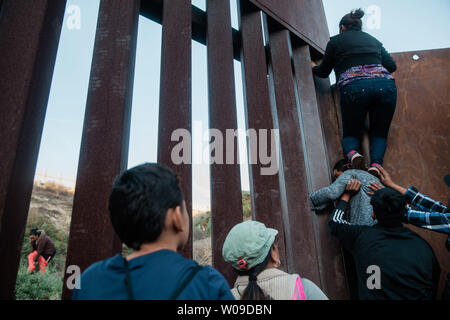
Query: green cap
[248, 244]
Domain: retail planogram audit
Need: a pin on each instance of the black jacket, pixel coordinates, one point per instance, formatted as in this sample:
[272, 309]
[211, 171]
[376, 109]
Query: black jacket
[353, 48]
[408, 267]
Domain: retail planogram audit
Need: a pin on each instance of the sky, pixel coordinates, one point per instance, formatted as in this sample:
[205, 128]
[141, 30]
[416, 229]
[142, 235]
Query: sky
[401, 25]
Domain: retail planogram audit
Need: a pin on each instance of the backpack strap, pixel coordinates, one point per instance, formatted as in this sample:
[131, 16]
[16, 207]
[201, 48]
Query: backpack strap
[186, 281]
[128, 281]
[299, 293]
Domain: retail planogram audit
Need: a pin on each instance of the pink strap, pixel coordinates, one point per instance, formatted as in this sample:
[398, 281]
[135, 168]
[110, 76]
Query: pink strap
[299, 293]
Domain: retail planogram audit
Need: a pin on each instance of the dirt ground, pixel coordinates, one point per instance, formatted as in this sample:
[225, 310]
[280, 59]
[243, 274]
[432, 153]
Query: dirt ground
[54, 202]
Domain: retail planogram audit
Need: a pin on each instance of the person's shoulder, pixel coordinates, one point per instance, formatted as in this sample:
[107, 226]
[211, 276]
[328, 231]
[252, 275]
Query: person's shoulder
[212, 273]
[44, 238]
[369, 36]
[308, 283]
[362, 174]
[312, 290]
[218, 285]
[94, 269]
[417, 238]
[334, 39]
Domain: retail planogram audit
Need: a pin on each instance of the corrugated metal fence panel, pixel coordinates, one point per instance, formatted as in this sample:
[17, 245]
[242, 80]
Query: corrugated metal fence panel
[104, 146]
[29, 37]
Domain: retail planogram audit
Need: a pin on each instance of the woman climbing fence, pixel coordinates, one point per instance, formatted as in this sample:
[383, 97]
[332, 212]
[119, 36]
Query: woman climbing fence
[363, 70]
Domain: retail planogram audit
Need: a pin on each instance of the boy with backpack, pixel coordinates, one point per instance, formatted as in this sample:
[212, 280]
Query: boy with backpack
[149, 215]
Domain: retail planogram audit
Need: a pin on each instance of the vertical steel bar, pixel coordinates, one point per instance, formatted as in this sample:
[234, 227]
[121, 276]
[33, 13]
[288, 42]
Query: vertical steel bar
[226, 194]
[293, 158]
[29, 37]
[330, 117]
[175, 93]
[266, 203]
[104, 146]
[330, 261]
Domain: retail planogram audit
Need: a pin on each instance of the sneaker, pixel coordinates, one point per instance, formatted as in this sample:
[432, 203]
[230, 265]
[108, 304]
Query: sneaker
[357, 160]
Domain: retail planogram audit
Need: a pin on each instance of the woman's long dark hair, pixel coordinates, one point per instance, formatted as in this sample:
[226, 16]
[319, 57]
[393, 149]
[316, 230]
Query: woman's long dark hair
[352, 20]
[253, 290]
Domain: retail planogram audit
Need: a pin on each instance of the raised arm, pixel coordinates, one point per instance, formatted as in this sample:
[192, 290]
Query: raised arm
[436, 221]
[324, 69]
[413, 196]
[423, 202]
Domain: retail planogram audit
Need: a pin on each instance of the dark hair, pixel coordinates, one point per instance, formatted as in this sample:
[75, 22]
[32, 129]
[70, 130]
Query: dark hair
[342, 165]
[352, 20]
[35, 232]
[139, 200]
[253, 290]
[389, 207]
[447, 180]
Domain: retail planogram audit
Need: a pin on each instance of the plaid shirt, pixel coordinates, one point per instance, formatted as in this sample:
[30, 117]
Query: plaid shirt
[431, 215]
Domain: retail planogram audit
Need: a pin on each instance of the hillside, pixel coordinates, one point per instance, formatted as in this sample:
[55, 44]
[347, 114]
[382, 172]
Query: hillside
[54, 203]
[51, 208]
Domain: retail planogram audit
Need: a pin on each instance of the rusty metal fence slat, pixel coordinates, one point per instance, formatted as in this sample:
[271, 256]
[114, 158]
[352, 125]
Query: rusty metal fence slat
[305, 260]
[29, 37]
[329, 258]
[104, 146]
[265, 191]
[175, 93]
[226, 195]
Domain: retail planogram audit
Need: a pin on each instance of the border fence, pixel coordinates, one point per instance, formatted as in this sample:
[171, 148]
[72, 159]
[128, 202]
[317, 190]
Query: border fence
[275, 48]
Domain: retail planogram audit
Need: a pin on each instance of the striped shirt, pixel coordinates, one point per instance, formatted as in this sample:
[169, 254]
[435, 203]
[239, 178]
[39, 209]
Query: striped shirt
[431, 214]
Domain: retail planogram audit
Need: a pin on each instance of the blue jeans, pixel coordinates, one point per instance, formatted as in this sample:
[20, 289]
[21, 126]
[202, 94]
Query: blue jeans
[376, 97]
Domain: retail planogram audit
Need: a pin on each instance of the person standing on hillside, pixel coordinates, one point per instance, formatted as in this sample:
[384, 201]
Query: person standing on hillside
[43, 250]
[363, 70]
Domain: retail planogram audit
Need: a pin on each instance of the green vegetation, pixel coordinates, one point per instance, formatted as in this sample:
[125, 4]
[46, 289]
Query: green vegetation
[202, 222]
[37, 286]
